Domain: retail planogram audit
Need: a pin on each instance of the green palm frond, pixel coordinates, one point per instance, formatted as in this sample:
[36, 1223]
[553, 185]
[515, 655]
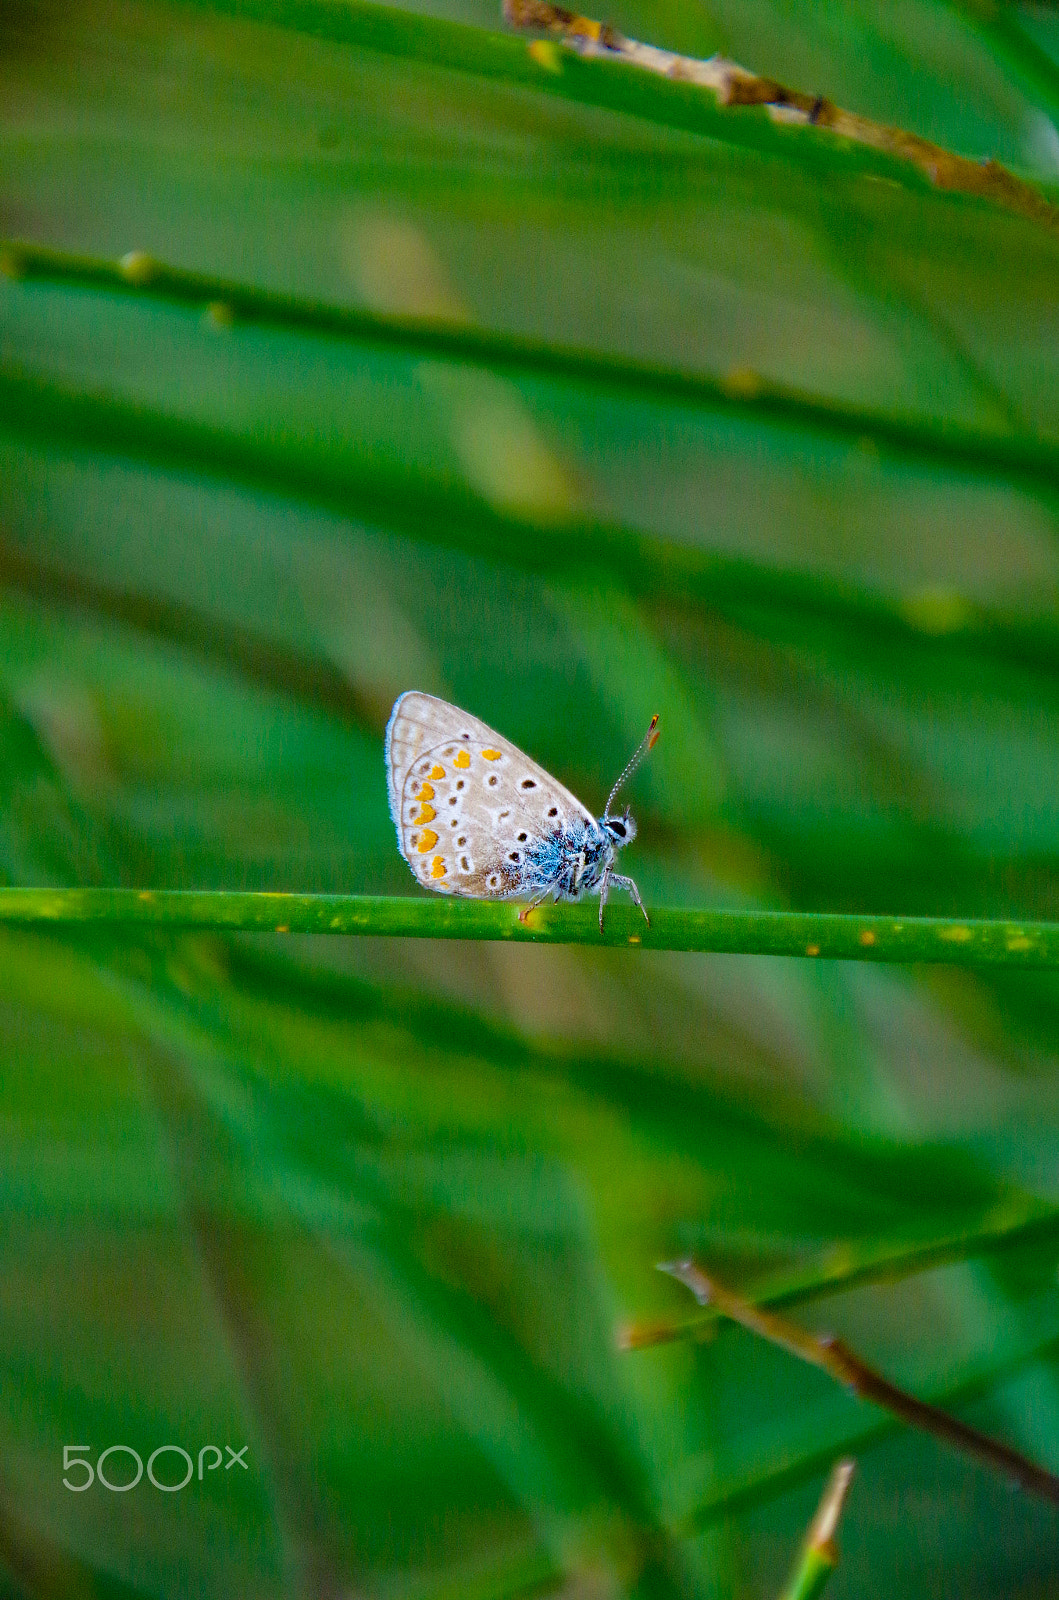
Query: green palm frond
[346, 349]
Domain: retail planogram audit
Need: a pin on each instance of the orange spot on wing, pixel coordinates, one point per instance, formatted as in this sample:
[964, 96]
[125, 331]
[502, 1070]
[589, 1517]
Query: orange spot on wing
[427, 841]
[437, 867]
[426, 791]
[462, 759]
[426, 814]
[491, 755]
[437, 772]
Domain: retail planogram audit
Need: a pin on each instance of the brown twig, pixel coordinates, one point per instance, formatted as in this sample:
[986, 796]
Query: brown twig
[847, 1368]
[1001, 1230]
[734, 85]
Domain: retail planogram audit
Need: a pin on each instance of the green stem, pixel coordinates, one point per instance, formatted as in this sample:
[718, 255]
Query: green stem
[780, 933]
[911, 437]
[424, 507]
[815, 1567]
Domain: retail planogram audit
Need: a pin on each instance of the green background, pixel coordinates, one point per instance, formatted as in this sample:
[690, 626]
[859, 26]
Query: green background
[378, 1209]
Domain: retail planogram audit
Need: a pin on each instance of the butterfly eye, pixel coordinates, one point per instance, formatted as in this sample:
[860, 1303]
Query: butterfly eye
[618, 828]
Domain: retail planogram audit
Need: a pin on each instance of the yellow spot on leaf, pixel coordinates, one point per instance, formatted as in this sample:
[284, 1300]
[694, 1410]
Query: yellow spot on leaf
[283, 927]
[219, 314]
[437, 867]
[958, 935]
[491, 755]
[867, 937]
[461, 759]
[426, 814]
[1019, 941]
[742, 383]
[546, 55]
[812, 949]
[937, 610]
[634, 938]
[426, 791]
[437, 772]
[137, 267]
[427, 841]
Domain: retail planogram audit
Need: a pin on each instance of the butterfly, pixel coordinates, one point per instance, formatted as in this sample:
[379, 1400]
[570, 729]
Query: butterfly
[475, 816]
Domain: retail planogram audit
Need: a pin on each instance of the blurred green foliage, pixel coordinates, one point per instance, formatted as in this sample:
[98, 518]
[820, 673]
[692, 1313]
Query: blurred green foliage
[378, 1209]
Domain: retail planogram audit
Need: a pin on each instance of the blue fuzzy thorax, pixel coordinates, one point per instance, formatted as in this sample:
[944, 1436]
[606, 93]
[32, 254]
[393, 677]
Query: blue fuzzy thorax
[570, 861]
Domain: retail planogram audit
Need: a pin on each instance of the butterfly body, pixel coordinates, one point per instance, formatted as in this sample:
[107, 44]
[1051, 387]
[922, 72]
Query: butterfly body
[570, 862]
[475, 816]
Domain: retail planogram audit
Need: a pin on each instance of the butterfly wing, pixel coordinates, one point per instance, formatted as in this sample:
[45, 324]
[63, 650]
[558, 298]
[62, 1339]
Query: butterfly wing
[465, 801]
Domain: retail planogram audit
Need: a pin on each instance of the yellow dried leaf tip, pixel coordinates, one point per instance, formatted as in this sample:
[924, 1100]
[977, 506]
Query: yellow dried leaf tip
[437, 867]
[462, 759]
[491, 755]
[427, 841]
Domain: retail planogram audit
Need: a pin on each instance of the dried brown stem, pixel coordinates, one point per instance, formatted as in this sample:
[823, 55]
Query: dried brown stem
[733, 85]
[824, 1525]
[1001, 1230]
[847, 1368]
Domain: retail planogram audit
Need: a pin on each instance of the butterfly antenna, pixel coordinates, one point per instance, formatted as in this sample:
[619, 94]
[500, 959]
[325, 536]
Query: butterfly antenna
[645, 745]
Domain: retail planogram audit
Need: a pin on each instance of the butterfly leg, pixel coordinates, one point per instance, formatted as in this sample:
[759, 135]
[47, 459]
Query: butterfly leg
[627, 883]
[604, 890]
[537, 900]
